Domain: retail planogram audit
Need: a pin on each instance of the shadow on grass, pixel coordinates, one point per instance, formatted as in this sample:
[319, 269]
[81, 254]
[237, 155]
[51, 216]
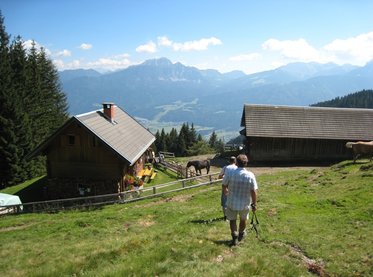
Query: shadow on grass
[33, 192]
[207, 221]
[165, 171]
[362, 163]
[227, 243]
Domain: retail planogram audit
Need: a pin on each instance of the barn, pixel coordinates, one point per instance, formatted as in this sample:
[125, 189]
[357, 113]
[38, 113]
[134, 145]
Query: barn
[92, 153]
[303, 134]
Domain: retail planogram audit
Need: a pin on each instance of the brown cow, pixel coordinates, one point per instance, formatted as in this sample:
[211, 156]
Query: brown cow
[361, 148]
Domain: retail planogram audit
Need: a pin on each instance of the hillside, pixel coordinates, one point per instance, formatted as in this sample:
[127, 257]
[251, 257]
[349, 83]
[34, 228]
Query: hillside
[160, 91]
[312, 222]
[361, 99]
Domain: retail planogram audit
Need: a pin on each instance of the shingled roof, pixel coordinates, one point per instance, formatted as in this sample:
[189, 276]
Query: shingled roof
[307, 122]
[123, 135]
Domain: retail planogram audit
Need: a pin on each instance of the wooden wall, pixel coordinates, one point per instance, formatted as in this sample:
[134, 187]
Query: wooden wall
[77, 153]
[293, 149]
[78, 164]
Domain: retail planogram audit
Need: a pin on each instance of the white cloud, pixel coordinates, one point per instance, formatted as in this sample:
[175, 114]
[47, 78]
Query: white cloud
[85, 46]
[108, 63]
[150, 47]
[28, 45]
[103, 64]
[61, 65]
[245, 57]
[164, 41]
[298, 50]
[122, 56]
[356, 50]
[63, 53]
[196, 45]
[75, 64]
[276, 64]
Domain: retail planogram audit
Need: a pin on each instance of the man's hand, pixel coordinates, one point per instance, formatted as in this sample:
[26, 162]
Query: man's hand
[253, 200]
[225, 190]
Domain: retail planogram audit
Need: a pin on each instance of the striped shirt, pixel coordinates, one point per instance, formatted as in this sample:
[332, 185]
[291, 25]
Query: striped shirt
[240, 182]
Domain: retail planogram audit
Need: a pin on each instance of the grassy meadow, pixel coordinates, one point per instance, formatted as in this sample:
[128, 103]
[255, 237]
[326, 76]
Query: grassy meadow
[315, 222]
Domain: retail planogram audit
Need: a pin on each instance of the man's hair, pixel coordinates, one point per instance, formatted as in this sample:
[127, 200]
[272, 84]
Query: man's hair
[232, 159]
[242, 160]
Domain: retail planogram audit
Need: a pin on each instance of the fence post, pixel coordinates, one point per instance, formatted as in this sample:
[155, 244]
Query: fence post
[210, 178]
[154, 190]
[183, 184]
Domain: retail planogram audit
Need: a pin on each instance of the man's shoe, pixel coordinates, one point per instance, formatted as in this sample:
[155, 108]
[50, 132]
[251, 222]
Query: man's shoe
[234, 241]
[241, 236]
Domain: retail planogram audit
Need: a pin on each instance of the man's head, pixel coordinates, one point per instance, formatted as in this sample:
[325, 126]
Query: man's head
[232, 160]
[242, 160]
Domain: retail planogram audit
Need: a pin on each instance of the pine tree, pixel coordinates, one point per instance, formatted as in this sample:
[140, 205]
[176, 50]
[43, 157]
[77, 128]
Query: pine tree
[163, 143]
[173, 140]
[32, 106]
[12, 118]
[5, 123]
[213, 140]
[46, 103]
[192, 135]
[219, 146]
[157, 140]
[54, 99]
[184, 132]
[181, 144]
[199, 148]
[360, 99]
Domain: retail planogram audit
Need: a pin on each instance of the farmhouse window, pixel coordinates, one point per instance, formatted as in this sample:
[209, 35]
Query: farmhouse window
[71, 139]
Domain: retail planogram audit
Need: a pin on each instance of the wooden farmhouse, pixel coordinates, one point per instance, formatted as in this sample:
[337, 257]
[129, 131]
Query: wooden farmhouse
[303, 134]
[92, 153]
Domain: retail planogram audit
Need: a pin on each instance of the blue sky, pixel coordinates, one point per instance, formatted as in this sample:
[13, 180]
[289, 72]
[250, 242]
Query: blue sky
[246, 35]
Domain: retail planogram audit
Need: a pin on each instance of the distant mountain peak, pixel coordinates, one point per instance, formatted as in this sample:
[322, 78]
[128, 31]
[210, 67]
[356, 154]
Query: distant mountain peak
[165, 91]
[70, 74]
[158, 62]
[304, 71]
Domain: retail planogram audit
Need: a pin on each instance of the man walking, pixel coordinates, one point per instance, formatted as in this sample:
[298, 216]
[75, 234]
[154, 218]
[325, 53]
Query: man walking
[241, 188]
[224, 171]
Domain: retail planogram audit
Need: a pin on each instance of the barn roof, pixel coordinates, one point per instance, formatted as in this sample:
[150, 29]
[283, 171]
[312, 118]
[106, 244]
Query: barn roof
[123, 135]
[307, 122]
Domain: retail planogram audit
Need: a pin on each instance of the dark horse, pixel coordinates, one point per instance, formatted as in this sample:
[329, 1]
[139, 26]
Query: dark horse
[198, 165]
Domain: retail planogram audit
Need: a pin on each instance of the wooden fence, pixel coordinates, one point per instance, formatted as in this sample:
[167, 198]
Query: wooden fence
[101, 200]
[182, 172]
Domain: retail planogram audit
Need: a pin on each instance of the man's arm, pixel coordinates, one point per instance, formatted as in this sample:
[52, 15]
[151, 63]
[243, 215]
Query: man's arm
[221, 174]
[225, 183]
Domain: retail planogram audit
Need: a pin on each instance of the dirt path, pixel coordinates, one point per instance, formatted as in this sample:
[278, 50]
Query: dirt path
[271, 170]
[258, 170]
[218, 163]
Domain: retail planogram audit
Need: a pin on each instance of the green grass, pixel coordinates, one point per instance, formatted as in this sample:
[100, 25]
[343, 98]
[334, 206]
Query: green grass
[324, 215]
[163, 176]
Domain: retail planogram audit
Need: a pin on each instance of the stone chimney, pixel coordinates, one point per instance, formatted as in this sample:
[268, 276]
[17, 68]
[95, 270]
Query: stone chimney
[109, 110]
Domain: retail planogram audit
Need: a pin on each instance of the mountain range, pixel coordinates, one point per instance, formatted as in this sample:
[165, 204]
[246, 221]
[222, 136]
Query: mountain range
[160, 93]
